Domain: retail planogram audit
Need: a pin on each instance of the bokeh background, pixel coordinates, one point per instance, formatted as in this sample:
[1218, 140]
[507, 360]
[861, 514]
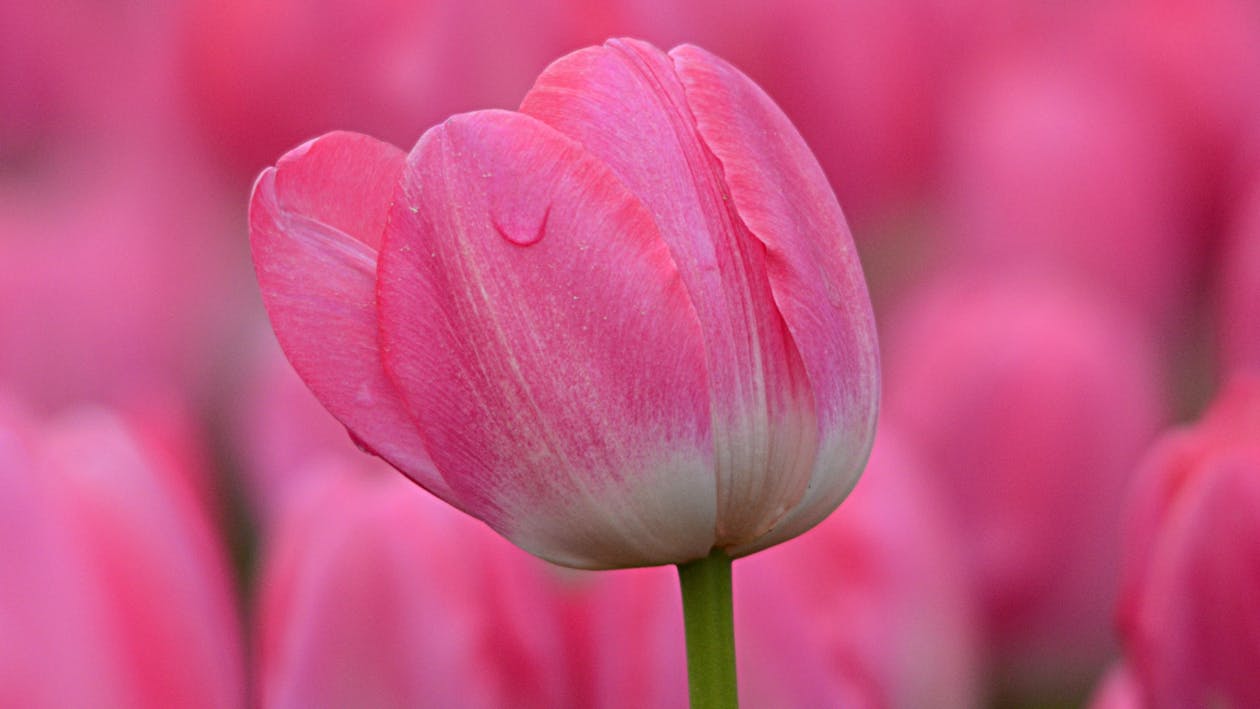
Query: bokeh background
[1057, 205]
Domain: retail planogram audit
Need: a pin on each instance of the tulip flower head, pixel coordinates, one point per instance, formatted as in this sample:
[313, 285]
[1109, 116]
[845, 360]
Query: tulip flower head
[624, 326]
[1036, 402]
[116, 590]
[1187, 609]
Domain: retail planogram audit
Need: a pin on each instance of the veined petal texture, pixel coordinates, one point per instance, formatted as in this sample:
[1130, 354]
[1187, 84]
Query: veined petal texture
[767, 258]
[539, 332]
[782, 196]
[316, 220]
[763, 417]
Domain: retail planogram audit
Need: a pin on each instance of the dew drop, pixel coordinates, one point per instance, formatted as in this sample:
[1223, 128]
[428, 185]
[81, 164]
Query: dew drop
[520, 229]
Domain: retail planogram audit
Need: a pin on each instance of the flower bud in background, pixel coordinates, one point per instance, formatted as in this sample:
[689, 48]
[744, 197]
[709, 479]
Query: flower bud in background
[111, 278]
[373, 594]
[114, 270]
[77, 71]
[1201, 62]
[263, 75]
[618, 341]
[115, 273]
[1034, 402]
[1188, 616]
[1053, 165]
[872, 608]
[43, 600]
[1238, 284]
[129, 557]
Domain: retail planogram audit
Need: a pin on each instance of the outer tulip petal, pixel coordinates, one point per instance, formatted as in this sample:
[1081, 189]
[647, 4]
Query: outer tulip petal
[54, 653]
[1187, 610]
[539, 332]
[315, 225]
[783, 197]
[764, 426]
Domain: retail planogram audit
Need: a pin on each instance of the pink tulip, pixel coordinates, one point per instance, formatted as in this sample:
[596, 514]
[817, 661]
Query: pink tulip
[263, 75]
[1056, 165]
[870, 609]
[1188, 615]
[1034, 402]
[43, 600]
[375, 595]
[110, 278]
[1200, 60]
[113, 264]
[1238, 325]
[78, 70]
[136, 605]
[623, 326]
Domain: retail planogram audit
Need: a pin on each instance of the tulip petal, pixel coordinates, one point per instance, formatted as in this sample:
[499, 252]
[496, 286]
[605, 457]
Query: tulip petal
[782, 195]
[764, 428]
[537, 329]
[315, 226]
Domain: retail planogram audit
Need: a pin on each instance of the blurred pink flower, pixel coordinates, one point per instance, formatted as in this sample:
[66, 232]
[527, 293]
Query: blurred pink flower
[1200, 60]
[871, 609]
[1188, 611]
[263, 75]
[626, 634]
[115, 281]
[374, 594]
[109, 291]
[1056, 165]
[112, 279]
[79, 71]
[44, 601]
[1033, 402]
[619, 343]
[1238, 320]
[861, 79]
[118, 592]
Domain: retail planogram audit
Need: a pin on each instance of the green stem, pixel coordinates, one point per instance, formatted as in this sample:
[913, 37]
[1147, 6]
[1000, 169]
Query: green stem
[706, 593]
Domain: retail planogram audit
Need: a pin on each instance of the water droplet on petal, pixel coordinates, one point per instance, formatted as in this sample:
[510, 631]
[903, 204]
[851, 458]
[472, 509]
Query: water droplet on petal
[520, 229]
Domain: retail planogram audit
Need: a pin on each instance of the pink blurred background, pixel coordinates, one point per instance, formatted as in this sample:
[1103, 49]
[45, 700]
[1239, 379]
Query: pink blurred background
[1057, 206]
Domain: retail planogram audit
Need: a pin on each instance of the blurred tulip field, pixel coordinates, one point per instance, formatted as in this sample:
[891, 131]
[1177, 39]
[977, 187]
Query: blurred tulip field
[1057, 210]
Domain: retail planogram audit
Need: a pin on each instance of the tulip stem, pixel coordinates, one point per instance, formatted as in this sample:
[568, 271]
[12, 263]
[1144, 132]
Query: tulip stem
[710, 626]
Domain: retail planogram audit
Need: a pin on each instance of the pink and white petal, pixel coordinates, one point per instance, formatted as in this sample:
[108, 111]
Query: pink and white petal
[315, 224]
[538, 331]
[782, 195]
[624, 102]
